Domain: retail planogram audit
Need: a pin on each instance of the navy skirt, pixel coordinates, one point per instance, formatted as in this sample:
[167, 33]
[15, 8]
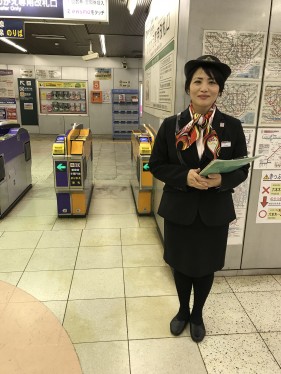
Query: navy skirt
[195, 250]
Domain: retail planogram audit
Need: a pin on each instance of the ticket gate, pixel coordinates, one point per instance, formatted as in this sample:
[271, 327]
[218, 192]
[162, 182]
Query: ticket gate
[142, 141]
[73, 176]
[15, 165]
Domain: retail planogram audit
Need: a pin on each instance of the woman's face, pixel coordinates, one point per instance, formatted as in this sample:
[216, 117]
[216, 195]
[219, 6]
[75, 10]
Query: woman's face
[203, 91]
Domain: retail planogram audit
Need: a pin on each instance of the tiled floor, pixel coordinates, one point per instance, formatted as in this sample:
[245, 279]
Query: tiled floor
[104, 279]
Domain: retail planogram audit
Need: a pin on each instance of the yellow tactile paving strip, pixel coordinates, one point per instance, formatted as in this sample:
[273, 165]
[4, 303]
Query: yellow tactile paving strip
[32, 340]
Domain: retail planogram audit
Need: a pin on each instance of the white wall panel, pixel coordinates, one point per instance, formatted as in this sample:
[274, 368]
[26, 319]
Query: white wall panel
[74, 72]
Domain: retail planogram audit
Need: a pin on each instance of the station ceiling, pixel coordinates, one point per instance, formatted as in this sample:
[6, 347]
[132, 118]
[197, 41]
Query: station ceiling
[123, 34]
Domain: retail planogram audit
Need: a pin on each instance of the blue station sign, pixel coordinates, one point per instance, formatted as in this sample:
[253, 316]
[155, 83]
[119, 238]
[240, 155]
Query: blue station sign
[13, 29]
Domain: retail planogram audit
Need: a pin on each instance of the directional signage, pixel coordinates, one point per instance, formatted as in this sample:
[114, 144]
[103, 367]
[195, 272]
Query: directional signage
[145, 167]
[60, 169]
[61, 166]
[82, 10]
[10, 28]
[28, 101]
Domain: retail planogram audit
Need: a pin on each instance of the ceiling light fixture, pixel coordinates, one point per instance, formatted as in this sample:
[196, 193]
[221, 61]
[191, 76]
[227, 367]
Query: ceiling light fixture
[8, 41]
[131, 5]
[43, 36]
[102, 43]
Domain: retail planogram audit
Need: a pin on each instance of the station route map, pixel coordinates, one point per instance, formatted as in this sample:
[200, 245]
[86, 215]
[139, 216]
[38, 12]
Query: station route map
[243, 51]
[240, 99]
[268, 145]
[271, 104]
[240, 198]
[273, 62]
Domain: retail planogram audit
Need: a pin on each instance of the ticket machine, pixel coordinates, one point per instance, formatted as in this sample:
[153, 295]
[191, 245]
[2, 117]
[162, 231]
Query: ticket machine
[15, 165]
[142, 141]
[73, 176]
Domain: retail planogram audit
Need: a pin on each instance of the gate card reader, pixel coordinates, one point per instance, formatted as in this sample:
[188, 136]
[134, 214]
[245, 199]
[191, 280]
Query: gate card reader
[142, 141]
[15, 165]
[72, 157]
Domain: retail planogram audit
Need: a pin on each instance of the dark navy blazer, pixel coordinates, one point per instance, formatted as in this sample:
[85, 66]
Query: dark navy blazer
[181, 203]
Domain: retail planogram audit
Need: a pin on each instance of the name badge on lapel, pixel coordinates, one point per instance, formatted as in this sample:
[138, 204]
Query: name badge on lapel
[226, 144]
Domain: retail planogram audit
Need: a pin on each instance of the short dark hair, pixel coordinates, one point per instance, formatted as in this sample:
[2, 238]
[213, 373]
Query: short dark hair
[211, 71]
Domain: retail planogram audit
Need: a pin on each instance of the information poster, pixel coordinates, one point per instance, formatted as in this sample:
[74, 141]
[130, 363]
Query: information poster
[269, 203]
[48, 73]
[240, 198]
[160, 58]
[8, 108]
[230, 48]
[273, 62]
[28, 102]
[240, 99]
[103, 74]
[268, 145]
[271, 104]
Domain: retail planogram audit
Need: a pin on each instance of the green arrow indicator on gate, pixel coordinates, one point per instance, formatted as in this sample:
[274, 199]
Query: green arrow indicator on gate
[61, 167]
[145, 167]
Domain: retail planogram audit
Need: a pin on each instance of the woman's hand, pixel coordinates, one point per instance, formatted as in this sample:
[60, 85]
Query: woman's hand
[213, 180]
[195, 180]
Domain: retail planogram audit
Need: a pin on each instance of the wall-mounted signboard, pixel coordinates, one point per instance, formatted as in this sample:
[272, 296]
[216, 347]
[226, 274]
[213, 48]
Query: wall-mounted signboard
[11, 28]
[82, 10]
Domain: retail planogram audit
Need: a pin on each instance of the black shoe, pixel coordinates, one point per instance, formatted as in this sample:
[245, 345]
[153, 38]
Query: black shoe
[197, 332]
[177, 326]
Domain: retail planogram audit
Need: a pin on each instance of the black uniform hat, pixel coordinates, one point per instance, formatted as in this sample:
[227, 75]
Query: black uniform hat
[208, 60]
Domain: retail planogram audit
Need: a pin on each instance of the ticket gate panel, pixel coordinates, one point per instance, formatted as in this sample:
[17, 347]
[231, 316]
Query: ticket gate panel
[146, 178]
[144, 202]
[63, 203]
[15, 165]
[142, 179]
[73, 171]
[4, 195]
[79, 204]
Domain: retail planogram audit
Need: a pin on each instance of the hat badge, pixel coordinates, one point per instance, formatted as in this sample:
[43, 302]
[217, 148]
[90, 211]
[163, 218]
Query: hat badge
[209, 59]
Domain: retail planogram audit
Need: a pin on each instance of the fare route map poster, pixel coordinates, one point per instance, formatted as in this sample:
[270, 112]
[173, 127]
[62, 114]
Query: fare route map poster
[240, 198]
[240, 99]
[273, 62]
[268, 145]
[271, 104]
[243, 51]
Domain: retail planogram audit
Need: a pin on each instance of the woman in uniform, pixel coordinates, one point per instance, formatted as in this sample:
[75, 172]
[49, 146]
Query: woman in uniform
[197, 210]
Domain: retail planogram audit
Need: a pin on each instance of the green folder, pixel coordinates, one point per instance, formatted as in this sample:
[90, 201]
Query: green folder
[225, 166]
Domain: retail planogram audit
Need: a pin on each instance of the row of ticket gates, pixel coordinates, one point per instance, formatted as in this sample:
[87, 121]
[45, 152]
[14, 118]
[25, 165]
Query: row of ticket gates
[73, 170]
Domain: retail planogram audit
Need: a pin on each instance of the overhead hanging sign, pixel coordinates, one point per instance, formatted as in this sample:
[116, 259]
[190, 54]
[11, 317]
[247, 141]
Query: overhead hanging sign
[82, 10]
[10, 28]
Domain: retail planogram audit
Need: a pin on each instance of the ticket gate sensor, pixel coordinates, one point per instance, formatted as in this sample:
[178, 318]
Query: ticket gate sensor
[142, 141]
[15, 165]
[73, 176]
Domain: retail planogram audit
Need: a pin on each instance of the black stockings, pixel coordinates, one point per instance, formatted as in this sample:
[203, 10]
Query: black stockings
[201, 288]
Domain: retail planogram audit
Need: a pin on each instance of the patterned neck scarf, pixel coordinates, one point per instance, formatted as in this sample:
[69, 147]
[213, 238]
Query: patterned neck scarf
[187, 135]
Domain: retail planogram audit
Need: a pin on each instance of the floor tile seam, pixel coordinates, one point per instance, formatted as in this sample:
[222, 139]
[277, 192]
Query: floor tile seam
[71, 282]
[150, 296]
[95, 298]
[257, 291]
[208, 335]
[268, 348]
[244, 291]
[245, 311]
[24, 270]
[45, 271]
[102, 341]
[125, 305]
[279, 282]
